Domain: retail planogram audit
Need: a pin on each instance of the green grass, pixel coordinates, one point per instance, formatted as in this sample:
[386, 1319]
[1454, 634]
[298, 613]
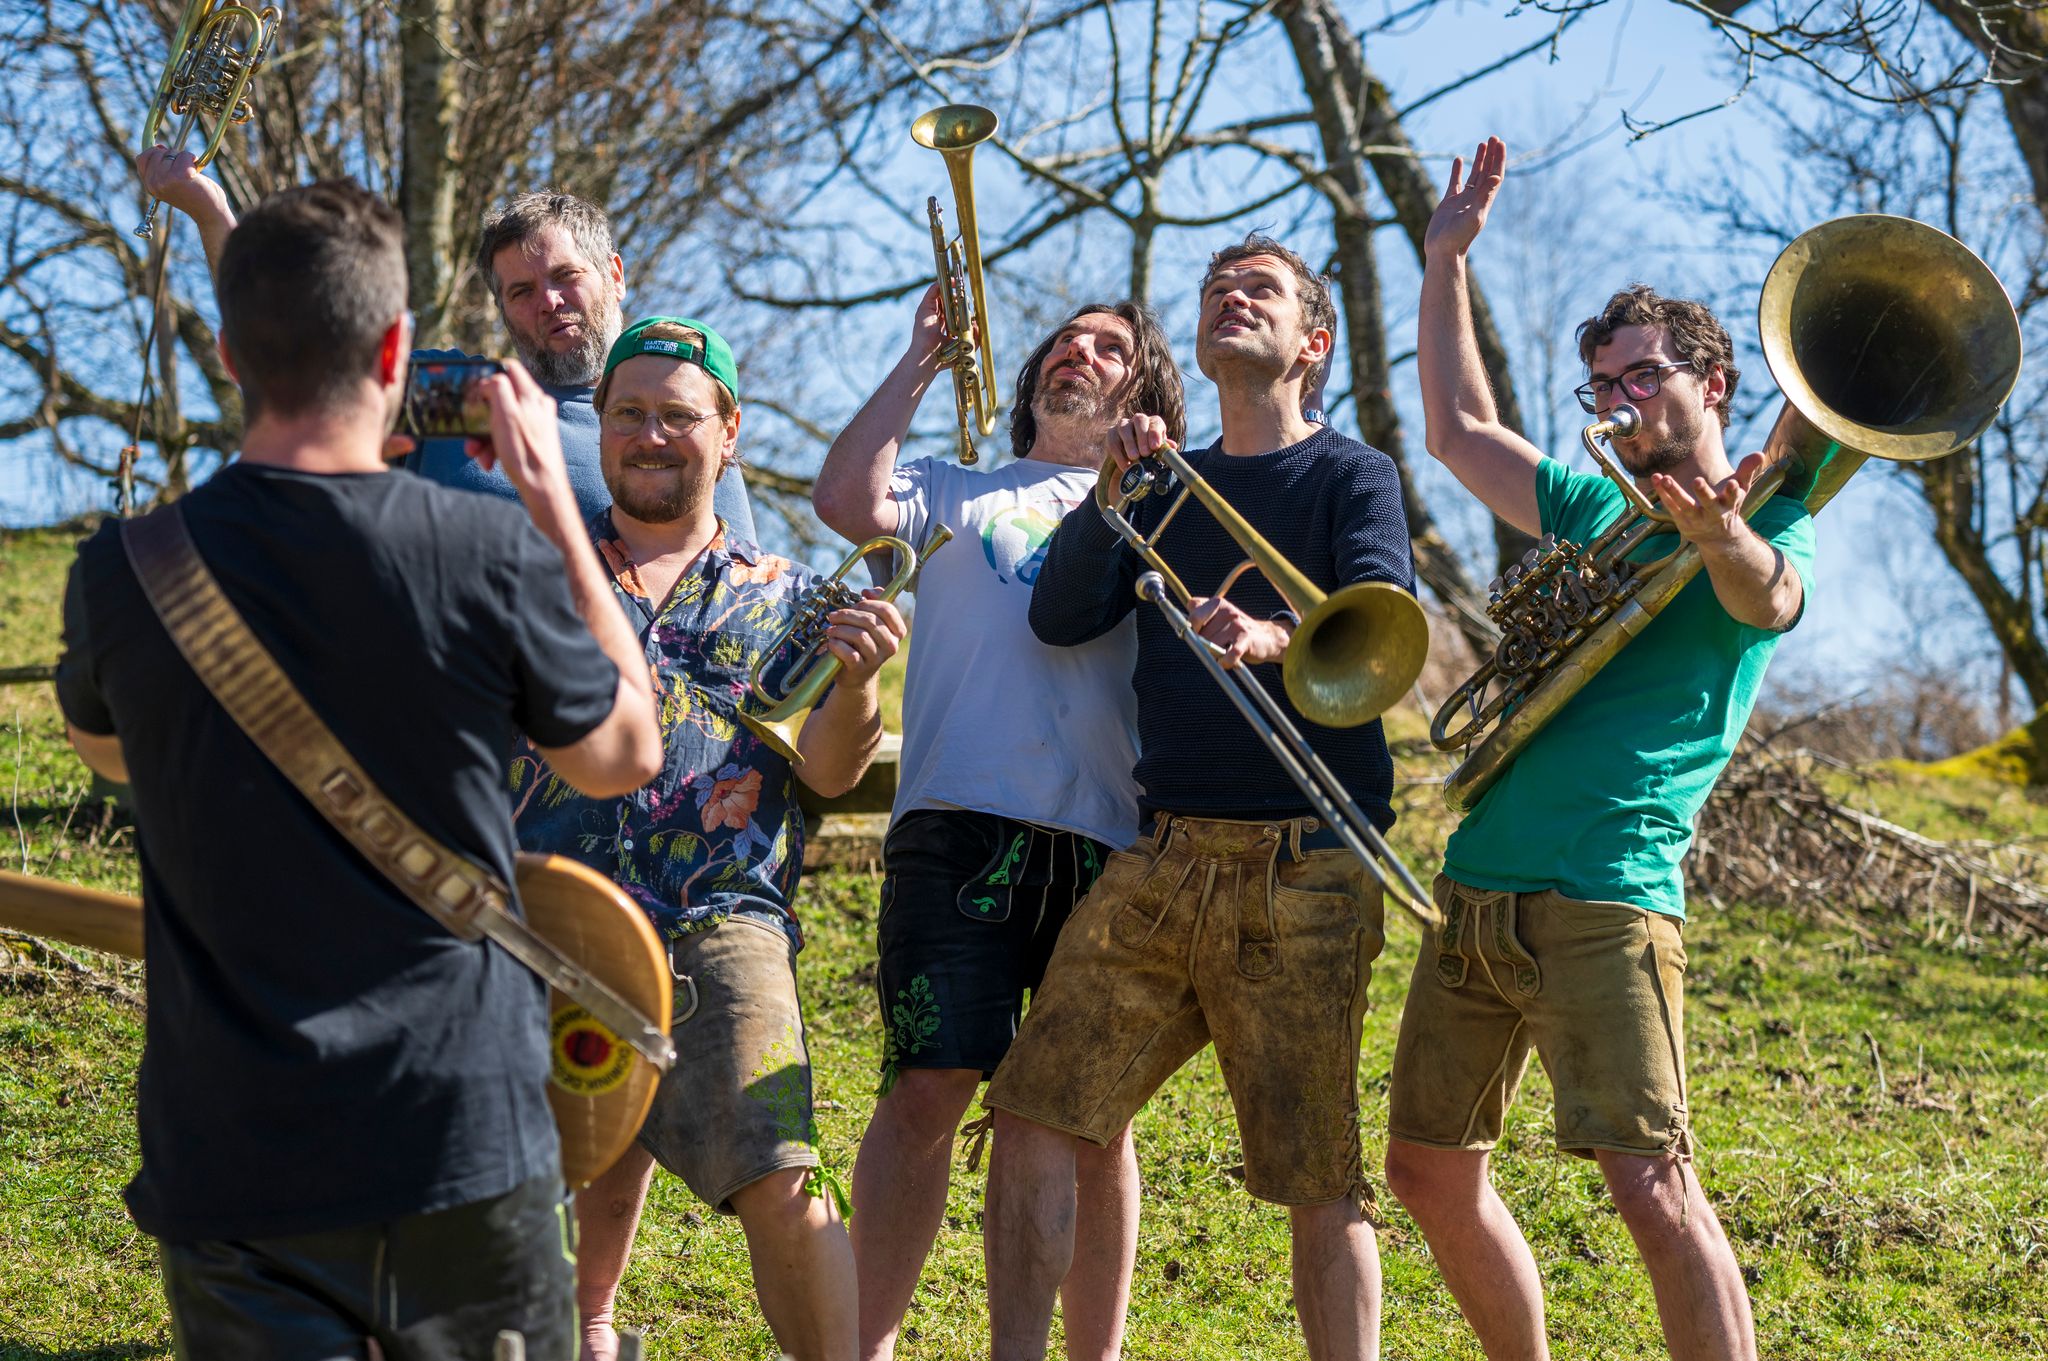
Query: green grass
[1902, 1221]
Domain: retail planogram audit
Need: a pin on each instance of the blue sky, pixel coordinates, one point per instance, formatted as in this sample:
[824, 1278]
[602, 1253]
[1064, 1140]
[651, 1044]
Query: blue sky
[1583, 200]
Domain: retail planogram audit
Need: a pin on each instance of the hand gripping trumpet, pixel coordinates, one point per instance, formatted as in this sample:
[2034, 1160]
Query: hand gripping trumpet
[1888, 338]
[954, 130]
[803, 680]
[1357, 650]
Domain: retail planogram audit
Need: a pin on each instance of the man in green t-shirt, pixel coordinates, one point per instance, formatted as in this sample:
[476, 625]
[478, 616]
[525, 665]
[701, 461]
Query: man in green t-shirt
[1562, 894]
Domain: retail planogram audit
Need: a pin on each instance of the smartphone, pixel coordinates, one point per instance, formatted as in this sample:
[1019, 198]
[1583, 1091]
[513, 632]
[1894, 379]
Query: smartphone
[441, 399]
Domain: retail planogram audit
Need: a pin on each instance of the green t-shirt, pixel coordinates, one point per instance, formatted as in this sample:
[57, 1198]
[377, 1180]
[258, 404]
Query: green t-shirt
[1599, 805]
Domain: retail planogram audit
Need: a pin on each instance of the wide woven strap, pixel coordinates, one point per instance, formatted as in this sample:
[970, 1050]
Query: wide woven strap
[227, 657]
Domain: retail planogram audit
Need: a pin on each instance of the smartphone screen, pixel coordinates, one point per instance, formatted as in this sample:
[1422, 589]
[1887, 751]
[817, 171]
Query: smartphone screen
[441, 398]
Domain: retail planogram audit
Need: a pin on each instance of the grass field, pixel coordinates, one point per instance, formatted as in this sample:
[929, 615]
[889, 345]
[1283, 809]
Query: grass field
[1873, 1125]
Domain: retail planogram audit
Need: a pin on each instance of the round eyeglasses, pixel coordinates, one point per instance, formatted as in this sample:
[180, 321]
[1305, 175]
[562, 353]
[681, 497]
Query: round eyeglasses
[675, 422]
[1640, 383]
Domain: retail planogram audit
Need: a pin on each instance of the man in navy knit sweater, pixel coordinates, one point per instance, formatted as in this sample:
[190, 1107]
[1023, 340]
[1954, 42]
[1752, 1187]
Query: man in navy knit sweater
[1238, 919]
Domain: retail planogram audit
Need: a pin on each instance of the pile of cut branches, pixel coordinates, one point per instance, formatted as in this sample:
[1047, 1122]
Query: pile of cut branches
[1772, 834]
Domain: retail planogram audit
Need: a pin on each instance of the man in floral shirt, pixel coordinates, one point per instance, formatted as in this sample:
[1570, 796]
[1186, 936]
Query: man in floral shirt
[713, 846]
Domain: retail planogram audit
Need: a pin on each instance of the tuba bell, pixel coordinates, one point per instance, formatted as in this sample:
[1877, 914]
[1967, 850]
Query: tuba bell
[1888, 338]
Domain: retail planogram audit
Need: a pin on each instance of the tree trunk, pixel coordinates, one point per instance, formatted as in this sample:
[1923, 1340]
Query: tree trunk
[2016, 36]
[1377, 125]
[427, 179]
[1365, 333]
[1949, 486]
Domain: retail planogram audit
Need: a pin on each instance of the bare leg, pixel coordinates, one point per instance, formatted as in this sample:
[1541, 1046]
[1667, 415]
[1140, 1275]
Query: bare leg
[1336, 1281]
[1477, 1245]
[1027, 1233]
[1097, 1291]
[1701, 1299]
[803, 1266]
[899, 1182]
[607, 1214]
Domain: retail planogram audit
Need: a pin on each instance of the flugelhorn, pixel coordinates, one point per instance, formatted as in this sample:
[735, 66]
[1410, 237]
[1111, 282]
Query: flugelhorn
[809, 670]
[1357, 650]
[1888, 338]
[214, 55]
[954, 130]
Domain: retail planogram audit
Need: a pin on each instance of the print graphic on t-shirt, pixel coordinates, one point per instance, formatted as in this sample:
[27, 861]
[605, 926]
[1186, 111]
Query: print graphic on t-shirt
[1015, 541]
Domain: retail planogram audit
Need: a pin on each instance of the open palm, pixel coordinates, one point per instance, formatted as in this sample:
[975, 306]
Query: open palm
[1462, 213]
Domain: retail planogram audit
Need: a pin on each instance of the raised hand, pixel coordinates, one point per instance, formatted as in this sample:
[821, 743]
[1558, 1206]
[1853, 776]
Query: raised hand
[928, 331]
[526, 439]
[1709, 514]
[1135, 437]
[1461, 215]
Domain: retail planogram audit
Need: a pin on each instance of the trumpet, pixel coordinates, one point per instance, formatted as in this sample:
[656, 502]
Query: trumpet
[1888, 338]
[1357, 650]
[811, 669]
[214, 55]
[954, 130]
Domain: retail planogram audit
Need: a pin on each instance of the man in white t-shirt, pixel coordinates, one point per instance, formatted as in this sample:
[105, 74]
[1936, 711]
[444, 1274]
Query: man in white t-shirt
[1015, 783]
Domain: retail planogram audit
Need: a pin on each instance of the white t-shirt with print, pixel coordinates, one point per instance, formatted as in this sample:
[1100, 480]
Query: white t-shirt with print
[994, 721]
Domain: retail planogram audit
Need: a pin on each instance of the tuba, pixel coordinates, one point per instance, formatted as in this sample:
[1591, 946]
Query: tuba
[1357, 650]
[954, 130]
[1888, 338]
[796, 685]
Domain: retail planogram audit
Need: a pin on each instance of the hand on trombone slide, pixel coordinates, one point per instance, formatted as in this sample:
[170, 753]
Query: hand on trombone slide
[1240, 638]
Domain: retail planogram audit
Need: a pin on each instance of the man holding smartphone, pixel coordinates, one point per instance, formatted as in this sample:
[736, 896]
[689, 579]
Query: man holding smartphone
[549, 262]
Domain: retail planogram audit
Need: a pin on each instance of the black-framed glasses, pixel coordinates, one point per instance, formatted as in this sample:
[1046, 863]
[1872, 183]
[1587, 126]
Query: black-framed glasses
[676, 422]
[1639, 384]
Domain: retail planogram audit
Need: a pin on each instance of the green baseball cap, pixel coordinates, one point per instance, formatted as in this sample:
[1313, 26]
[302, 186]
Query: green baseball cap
[714, 356]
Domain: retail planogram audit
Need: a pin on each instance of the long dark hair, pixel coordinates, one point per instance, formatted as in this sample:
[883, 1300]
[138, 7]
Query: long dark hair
[1155, 380]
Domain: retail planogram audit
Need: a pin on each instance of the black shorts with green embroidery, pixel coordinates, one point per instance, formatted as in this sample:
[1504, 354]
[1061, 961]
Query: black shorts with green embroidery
[971, 906]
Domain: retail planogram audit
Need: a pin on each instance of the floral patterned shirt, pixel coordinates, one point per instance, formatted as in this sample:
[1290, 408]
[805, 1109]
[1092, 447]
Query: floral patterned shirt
[719, 830]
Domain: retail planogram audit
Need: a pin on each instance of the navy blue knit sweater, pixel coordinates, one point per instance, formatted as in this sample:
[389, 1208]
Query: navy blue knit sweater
[1332, 507]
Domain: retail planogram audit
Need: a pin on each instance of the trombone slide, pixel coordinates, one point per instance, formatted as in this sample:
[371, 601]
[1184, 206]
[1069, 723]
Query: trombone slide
[1326, 794]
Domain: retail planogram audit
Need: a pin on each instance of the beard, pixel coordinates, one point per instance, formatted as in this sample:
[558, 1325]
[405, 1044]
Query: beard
[1081, 403]
[665, 503]
[1678, 444]
[582, 364]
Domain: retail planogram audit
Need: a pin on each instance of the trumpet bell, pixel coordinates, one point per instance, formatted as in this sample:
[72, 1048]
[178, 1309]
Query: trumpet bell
[954, 127]
[1889, 336]
[1355, 654]
[778, 733]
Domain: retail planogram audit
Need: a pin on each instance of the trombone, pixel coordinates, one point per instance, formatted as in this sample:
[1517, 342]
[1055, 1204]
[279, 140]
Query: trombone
[811, 669]
[954, 130]
[1357, 650]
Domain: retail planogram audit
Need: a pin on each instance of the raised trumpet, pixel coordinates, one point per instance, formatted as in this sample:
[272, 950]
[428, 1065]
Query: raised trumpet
[954, 130]
[1357, 650]
[811, 669]
[214, 55]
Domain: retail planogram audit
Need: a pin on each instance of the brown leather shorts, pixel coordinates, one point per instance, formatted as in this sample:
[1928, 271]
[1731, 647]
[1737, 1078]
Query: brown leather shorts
[1213, 931]
[1596, 989]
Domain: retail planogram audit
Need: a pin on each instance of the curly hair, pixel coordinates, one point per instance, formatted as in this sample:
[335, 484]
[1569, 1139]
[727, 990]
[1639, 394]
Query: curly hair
[1155, 379]
[1696, 335]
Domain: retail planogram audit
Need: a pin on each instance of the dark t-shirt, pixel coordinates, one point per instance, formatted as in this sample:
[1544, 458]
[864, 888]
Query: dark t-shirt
[1329, 505]
[320, 1053]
